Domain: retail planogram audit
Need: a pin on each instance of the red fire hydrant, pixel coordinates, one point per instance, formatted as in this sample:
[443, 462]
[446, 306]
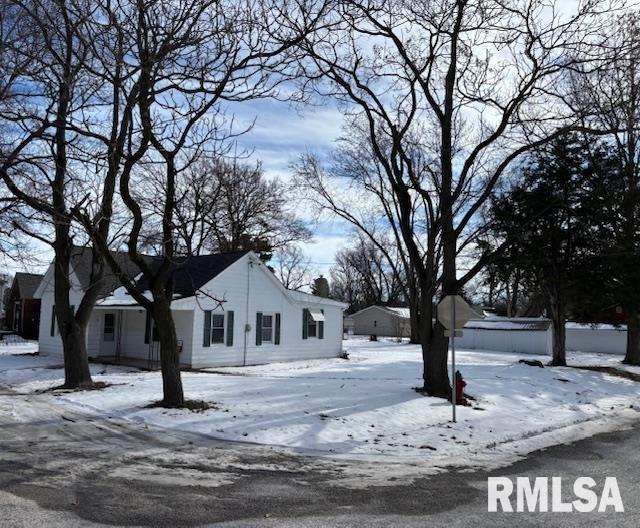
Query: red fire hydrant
[460, 385]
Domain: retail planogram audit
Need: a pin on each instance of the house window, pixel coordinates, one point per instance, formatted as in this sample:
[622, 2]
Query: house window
[312, 327]
[53, 320]
[267, 328]
[217, 328]
[109, 327]
[312, 323]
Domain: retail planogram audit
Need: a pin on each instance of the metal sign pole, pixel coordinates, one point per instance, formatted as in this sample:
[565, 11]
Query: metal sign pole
[453, 359]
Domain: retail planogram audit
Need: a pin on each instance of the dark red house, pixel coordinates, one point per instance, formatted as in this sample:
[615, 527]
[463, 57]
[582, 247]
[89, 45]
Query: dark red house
[22, 310]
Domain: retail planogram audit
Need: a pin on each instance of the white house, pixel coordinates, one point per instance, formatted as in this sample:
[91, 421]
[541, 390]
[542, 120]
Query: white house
[382, 321]
[229, 309]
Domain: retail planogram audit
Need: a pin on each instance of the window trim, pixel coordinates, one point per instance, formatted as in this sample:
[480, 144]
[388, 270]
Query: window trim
[272, 327]
[220, 328]
[209, 327]
[113, 328]
[313, 327]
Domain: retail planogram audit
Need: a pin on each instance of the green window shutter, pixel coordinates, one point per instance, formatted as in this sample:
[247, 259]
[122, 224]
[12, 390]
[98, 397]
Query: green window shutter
[259, 328]
[206, 331]
[53, 320]
[321, 328]
[276, 339]
[230, 328]
[147, 327]
[305, 320]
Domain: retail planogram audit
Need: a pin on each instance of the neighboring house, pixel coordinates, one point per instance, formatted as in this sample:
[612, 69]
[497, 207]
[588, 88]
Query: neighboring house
[5, 286]
[229, 309]
[22, 307]
[382, 321]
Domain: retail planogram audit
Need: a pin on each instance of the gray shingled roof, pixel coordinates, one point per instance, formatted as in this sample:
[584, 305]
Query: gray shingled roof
[82, 263]
[27, 283]
[192, 273]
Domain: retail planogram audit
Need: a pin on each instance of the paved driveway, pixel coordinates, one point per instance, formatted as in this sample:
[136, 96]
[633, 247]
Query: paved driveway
[64, 469]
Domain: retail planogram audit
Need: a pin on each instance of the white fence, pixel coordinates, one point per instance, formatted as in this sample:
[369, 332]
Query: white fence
[523, 335]
[534, 336]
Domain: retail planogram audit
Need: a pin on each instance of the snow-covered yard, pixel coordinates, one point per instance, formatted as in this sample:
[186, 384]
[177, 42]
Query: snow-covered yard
[365, 407]
[15, 345]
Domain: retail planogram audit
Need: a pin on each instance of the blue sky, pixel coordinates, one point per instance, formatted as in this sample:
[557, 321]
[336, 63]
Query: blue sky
[280, 134]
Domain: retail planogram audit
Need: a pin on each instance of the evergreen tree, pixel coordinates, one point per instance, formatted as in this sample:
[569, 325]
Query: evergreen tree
[615, 204]
[551, 231]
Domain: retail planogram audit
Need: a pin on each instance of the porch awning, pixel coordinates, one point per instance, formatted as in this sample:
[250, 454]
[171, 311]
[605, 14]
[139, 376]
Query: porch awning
[317, 315]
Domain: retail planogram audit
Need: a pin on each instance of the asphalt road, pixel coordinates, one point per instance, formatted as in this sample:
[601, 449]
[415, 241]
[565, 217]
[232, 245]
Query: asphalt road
[71, 469]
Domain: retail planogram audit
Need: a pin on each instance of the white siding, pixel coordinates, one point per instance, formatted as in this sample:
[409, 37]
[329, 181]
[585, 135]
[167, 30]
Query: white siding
[232, 285]
[600, 340]
[94, 335]
[132, 332]
[267, 297]
[583, 339]
[52, 345]
[517, 341]
[184, 330]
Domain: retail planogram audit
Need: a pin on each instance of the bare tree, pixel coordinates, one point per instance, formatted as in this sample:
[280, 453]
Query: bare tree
[292, 267]
[362, 276]
[472, 83]
[224, 204]
[67, 116]
[191, 56]
[337, 189]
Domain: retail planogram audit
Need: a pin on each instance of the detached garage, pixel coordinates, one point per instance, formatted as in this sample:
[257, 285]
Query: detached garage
[382, 321]
[521, 335]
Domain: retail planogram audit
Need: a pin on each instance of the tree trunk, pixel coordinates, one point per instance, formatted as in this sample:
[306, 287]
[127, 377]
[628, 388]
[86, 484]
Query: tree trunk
[558, 322]
[632, 355]
[414, 317]
[173, 395]
[435, 353]
[73, 334]
[436, 375]
[414, 338]
[76, 363]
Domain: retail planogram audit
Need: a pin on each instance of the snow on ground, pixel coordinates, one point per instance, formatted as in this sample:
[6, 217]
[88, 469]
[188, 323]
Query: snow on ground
[600, 360]
[365, 407]
[23, 369]
[15, 345]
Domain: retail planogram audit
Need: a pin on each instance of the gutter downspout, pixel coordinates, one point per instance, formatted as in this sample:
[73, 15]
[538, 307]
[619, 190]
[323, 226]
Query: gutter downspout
[246, 316]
